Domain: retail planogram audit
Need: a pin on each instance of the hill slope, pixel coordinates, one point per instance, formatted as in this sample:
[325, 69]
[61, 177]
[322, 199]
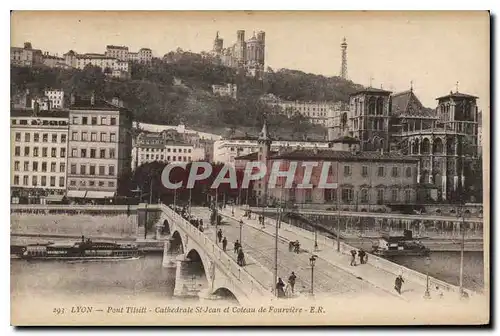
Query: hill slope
[178, 89]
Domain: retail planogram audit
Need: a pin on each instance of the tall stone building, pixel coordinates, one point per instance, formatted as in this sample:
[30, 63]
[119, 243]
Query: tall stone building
[248, 55]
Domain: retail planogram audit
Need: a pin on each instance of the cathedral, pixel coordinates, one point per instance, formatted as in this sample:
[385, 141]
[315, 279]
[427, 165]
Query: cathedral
[248, 55]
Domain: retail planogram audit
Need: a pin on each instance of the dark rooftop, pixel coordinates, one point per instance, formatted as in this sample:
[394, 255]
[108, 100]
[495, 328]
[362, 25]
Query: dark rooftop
[253, 156]
[15, 113]
[457, 95]
[327, 155]
[371, 90]
[406, 103]
[345, 139]
[82, 103]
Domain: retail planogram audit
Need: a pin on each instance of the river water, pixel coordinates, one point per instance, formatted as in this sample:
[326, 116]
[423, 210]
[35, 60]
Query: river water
[145, 277]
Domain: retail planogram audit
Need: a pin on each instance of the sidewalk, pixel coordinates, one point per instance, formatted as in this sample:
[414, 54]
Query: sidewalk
[327, 251]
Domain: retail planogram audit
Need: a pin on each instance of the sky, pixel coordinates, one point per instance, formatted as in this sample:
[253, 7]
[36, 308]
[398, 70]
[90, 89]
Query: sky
[432, 50]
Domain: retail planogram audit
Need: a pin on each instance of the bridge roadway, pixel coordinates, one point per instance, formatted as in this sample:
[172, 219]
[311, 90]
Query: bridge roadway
[332, 276]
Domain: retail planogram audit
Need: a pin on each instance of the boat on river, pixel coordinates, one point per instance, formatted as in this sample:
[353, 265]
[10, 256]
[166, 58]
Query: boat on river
[393, 246]
[86, 250]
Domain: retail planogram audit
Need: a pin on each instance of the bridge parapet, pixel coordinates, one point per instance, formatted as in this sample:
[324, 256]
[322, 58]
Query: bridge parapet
[236, 277]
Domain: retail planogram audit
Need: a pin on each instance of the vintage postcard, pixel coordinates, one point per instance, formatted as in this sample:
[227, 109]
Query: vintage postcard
[249, 168]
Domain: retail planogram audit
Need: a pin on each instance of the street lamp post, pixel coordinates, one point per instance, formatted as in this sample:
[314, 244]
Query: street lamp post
[241, 227]
[312, 262]
[427, 294]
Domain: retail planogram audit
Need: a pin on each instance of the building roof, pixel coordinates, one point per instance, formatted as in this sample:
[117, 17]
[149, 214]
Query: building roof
[116, 47]
[332, 155]
[372, 90]
[457, 95]
[407, 104]
[16, 113]
[345, 139]
[99, 56]
[99, 104]
[253, 156]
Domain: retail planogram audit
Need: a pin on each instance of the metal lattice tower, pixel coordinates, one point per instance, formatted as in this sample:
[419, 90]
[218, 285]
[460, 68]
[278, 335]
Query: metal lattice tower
[343, 68]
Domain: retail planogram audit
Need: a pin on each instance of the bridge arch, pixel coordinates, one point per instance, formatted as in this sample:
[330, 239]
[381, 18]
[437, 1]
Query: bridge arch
[176, 243]
[166, 227]
[226, 294]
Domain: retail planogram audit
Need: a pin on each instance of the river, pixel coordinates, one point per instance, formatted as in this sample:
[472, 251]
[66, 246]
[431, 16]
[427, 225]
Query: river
[146, 278]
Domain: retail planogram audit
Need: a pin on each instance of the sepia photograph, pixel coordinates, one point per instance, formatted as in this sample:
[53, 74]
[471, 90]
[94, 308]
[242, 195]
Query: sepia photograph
[249, 168]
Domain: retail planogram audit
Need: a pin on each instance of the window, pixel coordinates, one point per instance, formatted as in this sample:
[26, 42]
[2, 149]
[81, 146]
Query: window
[54, 138]
[72, 183]
[347, 195]
[26, 166]
[17, 151]
[84, 120]
[62, 167]
[364, 171]
[83, 153]
[34, 180]
[189, 150]
[52, 181]
[101, 170]
[26, 137]
[364, 196]
[16, 180]
[16, 165]
[92, 170]
[73, 169]
[113, 121]
[75, 120]
[45, 137]
[35, 166]
[83, 169]
[18, 136]
[179, 158]
[92, 153]
[407, 196]
[36, 137]
[394, 195]
[102, 153]
[111, 184]
[74, 136]
[103, 120]
[175, 150]
[111, 170]
[94, 120]
[43, 181]
[26, 151]
[91, 183]
[93, 136]
[113, 137]
[44, 167]
[25, 180]
[103, 137]
[111, 153]
[44, 152]
[408, 171]
[74, 152]
[53, 152]
[63, 138]
[35, 151]
[52, 167]
[347, 170]
[101, 183]
[380, 196]
[394, 172]
[63, 152]
[381, 171]
[84, 136]
[331, 195]
[61, 181]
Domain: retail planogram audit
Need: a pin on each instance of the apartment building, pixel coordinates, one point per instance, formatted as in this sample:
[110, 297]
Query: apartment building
[39, 142]
[56, 98]
[228, 90]
[26, 56]
[99, 147]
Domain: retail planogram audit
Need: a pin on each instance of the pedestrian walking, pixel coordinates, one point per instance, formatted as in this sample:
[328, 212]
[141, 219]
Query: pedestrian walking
[241, 257]
[236, 246]
[361, 255]
[440, 292]
[219, 235]
[280, 285]
[398, 284]
[353, 258]
[224, 244]
[291, 280]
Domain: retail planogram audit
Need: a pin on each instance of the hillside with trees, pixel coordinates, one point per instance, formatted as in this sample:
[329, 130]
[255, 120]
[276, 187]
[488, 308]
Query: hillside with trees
[177, 89]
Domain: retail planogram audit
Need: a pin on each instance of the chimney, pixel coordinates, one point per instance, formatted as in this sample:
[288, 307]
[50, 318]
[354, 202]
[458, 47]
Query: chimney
[92, 99]
[72, 99]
